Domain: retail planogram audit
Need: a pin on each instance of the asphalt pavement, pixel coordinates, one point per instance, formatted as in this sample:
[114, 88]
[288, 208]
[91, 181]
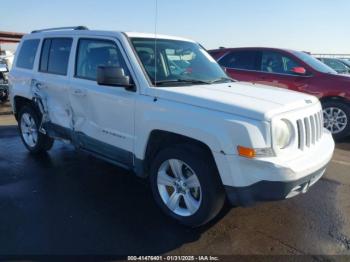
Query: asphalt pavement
[67, 202]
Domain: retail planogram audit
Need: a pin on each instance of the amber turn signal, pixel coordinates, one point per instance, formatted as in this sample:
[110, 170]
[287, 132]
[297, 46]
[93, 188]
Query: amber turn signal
[246, 152]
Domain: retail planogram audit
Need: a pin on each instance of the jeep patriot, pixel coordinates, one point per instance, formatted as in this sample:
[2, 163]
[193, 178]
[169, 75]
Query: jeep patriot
[163, 108]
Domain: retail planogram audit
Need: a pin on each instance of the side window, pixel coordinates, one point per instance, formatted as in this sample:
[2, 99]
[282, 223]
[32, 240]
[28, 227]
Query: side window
[245, 60]
[93, 53]
[44, 58]
[27, 53]
[55, 55]
[275, 62]
[335, 65]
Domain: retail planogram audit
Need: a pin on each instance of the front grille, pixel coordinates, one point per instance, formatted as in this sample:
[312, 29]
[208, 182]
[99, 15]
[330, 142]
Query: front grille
[309, 130]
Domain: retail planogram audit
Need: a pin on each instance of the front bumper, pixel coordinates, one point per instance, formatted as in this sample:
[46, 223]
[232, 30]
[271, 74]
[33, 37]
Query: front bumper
[252, 180]
[271, 190]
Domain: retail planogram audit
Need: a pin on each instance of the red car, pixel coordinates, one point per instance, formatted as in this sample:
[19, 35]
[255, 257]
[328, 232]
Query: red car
[296, 71]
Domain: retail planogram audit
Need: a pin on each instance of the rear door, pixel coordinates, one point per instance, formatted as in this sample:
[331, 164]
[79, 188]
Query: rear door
[21, 74]
[51, 82]
[241, 65]
[276, 69]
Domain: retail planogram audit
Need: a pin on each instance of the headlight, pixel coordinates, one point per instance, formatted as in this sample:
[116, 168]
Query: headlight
[282, 133]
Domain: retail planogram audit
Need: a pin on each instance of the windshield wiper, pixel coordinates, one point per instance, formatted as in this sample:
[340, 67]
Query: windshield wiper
[223, 79]
[190, 81]
[194, 81]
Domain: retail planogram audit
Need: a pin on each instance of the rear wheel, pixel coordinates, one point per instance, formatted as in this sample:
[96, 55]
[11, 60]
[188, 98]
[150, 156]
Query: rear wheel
[186, 185]
[336, 118]
[33, 140]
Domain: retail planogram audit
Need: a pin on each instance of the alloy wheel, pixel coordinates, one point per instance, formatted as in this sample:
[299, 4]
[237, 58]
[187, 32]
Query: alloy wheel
[179, 187]
[334, 119]
[29, 130]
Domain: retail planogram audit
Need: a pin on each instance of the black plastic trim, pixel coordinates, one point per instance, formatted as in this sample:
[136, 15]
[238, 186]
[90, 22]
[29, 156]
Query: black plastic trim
[265, 190]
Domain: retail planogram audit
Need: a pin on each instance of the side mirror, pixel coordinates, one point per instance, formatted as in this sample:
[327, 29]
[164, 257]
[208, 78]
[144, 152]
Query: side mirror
[113, 76]
[299, 70]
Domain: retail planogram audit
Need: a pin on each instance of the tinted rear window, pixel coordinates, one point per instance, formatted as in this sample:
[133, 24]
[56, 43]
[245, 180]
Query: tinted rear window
[216, 53]
[240, 60]
[277, 62]
[55, 55]
[44, 58]
[27, 53]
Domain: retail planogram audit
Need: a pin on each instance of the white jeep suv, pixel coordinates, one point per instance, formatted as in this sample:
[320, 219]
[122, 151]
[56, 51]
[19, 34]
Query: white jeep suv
[164, 109]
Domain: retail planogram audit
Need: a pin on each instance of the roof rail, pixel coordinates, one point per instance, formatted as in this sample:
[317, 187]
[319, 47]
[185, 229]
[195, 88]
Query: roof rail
[80, 27]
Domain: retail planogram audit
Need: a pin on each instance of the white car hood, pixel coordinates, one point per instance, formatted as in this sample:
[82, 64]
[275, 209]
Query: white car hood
[255, 101]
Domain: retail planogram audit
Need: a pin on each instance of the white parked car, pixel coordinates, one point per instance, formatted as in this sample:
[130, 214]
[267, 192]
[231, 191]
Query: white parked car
[6, 57]
[163, 108]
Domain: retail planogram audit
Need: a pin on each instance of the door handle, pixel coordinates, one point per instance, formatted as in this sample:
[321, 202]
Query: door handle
[79, 92]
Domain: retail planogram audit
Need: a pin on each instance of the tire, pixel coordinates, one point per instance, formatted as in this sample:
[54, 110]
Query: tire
[28, 123]
[206, 201]
[336, 115]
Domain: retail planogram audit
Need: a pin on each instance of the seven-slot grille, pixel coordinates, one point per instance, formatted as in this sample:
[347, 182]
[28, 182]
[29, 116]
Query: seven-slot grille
[310, 130]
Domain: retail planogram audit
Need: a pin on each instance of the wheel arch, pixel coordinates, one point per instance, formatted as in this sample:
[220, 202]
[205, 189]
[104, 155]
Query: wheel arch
[160, 139]
[345, 105]
[19, 102]
[335, 98]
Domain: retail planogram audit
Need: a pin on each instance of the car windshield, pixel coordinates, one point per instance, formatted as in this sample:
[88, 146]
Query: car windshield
[174, 62]
[314, 63]
[347, 62]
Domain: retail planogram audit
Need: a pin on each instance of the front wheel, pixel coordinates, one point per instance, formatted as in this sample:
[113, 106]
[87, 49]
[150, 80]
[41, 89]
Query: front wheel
[186, 185]
[336, 118]
[33, 140]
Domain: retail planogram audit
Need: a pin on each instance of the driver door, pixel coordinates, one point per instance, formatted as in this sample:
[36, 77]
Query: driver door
[103, 116]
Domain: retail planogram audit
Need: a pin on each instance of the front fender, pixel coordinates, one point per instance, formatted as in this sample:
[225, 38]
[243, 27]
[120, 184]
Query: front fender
[221, 132]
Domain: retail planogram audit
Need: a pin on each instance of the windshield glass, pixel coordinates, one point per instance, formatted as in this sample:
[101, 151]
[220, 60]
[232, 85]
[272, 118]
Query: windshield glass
[314, 63]
[347, 62]
[337, 65]
[177, 62]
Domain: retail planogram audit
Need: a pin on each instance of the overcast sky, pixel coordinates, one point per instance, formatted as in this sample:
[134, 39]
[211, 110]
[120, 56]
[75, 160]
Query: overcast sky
[318, 26]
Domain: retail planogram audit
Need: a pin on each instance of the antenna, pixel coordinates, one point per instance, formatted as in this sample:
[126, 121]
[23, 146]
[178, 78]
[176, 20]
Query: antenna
[155, 42]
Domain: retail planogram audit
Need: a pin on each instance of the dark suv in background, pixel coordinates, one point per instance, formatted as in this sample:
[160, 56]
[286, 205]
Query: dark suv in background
[293, 70]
